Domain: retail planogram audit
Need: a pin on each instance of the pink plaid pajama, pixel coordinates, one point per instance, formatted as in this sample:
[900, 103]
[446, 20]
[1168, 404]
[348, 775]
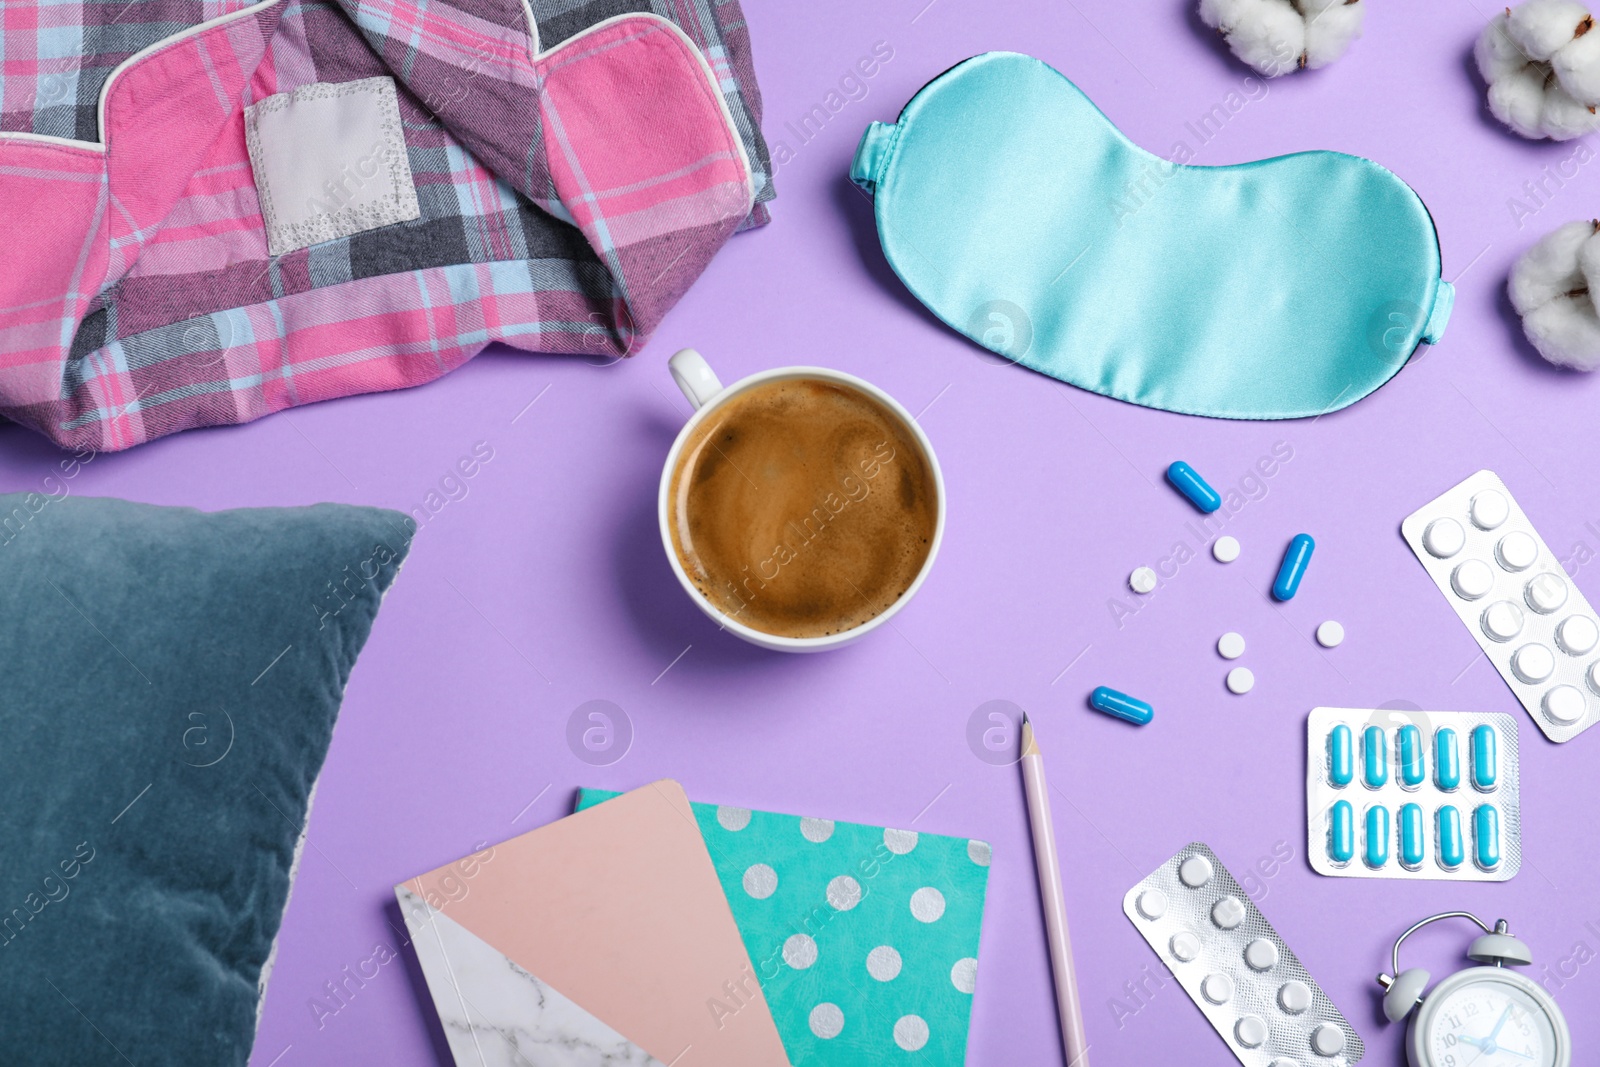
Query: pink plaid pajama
[575, 165]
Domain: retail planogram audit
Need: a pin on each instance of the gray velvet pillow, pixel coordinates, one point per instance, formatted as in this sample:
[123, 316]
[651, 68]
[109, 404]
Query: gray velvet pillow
[170, 685]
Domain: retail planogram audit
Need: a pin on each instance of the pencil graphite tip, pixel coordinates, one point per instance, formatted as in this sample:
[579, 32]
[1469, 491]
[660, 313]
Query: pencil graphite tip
[1030, 747]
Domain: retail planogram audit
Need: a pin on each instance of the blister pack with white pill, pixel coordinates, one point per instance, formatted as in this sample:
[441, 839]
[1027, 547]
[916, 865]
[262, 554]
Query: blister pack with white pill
[1413, 794]
[1505, 583]
[1236, 968]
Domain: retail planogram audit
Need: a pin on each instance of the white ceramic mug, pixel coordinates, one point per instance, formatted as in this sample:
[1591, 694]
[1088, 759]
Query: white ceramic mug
[707, 393]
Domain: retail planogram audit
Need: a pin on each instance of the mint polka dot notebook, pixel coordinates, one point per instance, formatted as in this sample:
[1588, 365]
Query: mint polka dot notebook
[865, 939]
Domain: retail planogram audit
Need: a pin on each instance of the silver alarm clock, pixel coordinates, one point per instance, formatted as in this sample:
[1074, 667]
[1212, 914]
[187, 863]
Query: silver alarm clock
[1479, 1017]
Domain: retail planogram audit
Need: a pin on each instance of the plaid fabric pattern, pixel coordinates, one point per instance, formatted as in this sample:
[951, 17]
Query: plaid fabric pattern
[571, 189]
[56, 56]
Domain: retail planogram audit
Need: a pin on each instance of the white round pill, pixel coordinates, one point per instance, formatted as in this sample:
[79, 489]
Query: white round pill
[1227, 913]
[1489, 509]
[1185, 946]
[1594, 676]
[1533, 663]
[1294, 996]
[1261, 954]
[1444, 538]
[1152, 903]
[1195, 871]
[1217, 988]
[1546, 592]
[1241, 680]
[1330, 634]
[1502, 620]
[1283, 1061]
[1472, 579]
[1225, 549]
[1564, 705]
[1142, 580]
[1251, 1031]
[1230, 645]
[1577, 635]
[1516, 551]
[1327, 1040]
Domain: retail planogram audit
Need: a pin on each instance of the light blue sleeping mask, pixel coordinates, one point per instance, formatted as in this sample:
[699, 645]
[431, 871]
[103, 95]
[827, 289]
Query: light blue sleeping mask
[1023, 218]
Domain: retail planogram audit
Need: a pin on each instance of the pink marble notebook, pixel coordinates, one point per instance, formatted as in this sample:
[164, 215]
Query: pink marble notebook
[596, 941]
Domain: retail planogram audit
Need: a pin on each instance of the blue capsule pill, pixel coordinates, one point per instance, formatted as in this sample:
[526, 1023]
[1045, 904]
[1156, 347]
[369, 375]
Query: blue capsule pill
[1447, 759]
[1341, 757]
[1374, 758]
[1411, 836]
[1190, 484]
[1486, 836]
[1121, 705]
[1410, 763]
[1450, 851]
[1377, 836]
[1341, 832]
[1293, 568]
[1485, 761]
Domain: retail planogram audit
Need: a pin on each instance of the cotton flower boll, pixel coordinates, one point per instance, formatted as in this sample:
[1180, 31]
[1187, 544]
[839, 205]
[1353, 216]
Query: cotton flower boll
[1542, 26]
[1497, 54]
[1330, 31]
[1566, 332]
[1564, 117]
[1518, 100]
[1577, 67]
[1269, 35]
[1588, 261]
[1550, 268]
[1551, 288]
[1542, 63]
[1225, 14]
[1279, 36]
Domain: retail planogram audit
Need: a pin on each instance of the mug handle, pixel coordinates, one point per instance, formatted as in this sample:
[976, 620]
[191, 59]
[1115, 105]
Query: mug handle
[694, 376]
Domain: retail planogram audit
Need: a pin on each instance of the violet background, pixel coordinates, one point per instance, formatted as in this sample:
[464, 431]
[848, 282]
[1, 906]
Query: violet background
[546, 586]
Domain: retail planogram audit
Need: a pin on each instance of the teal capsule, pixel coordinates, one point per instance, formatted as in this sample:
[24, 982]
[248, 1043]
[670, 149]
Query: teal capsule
[1341, 832]
[1447, 759]
[1296, 558]
[1341, 757]
[1411, 836]
[1374, 757]
[1485, 760]
[1121, 705]
[1486, 836]
[1410, 764]
[1187, 481]
[1377, 836]
[1450, 851]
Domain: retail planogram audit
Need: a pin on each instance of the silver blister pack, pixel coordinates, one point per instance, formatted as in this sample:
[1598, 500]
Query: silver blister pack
[1424, 795]
[1235, 967]
[1508, 588]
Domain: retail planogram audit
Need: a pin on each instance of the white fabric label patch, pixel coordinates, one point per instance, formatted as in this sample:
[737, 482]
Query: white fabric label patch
[329, 161]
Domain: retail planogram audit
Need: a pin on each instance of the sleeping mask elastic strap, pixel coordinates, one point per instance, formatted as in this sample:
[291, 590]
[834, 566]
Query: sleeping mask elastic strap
[1016, 211]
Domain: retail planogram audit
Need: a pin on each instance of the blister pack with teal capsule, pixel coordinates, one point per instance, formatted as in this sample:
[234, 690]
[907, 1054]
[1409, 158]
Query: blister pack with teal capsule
[1398, 792]
[1023, 218]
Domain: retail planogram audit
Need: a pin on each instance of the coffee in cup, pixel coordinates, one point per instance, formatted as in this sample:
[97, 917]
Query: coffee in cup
[802, 506]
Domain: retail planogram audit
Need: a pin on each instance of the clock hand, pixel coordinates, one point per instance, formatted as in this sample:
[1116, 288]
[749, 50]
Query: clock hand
[1502, 1021]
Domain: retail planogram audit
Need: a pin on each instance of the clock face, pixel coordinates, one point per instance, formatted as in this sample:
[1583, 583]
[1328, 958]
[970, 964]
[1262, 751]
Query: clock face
[1488, 1022]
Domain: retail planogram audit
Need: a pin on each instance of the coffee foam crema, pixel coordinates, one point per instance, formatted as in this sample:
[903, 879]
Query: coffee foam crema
[802, 507]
